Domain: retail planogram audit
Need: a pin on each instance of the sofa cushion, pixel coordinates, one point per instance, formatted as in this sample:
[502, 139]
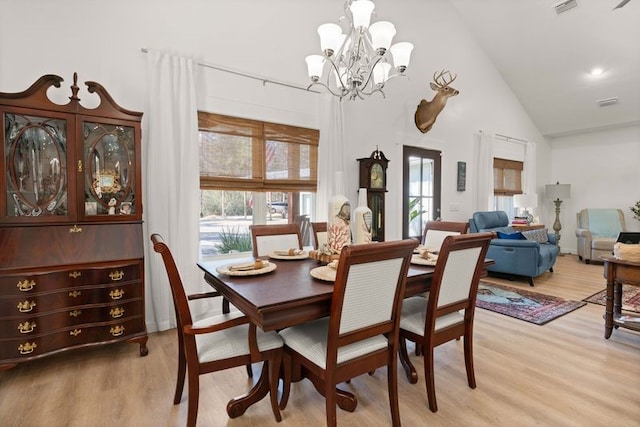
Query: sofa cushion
[490, 220]
[511, 236]
[539, 235]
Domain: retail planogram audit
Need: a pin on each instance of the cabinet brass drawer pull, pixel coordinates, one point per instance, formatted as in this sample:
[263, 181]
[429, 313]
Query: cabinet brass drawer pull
[26, 306]
[116, 294]
[116, 331]
[75, 332]
[116, 275]
[116, 312]
[26, 327]
[75, 229]
[27, 347]
[74, 294]
[80, 166]
[75, 313]
[75, 274]
[26, 285]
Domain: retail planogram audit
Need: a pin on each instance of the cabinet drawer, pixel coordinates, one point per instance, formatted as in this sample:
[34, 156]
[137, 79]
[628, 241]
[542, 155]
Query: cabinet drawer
[70, 298]
[25, 347]
[36, 325]
[30, 284]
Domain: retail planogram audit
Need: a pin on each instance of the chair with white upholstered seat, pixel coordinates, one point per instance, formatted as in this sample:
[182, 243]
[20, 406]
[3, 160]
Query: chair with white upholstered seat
[319, 234]
[436, 231]
[360, 335]
[448, 312]
[216, 343]
[266, 239]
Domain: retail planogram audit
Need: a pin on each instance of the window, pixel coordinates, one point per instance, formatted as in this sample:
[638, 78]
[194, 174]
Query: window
[507, 181]
[252, 172]
[421, 189]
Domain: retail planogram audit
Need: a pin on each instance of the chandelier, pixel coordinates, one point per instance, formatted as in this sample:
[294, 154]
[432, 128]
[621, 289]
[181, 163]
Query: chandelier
[359, 62]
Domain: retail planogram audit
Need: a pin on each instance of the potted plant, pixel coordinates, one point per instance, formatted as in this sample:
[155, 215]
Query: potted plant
[636, 210]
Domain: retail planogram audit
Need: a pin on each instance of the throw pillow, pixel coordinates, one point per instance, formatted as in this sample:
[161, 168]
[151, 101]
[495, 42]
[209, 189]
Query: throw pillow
[511, 236]
[539, 235]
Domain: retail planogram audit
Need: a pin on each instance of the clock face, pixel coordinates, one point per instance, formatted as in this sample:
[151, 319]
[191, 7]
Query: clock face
[377, 176]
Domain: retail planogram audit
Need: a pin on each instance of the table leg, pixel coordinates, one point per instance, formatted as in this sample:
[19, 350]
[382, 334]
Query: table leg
[608, 313]
[239, 405]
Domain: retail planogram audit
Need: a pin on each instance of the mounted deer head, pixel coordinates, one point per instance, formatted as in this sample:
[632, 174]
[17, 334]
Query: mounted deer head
[427, 111]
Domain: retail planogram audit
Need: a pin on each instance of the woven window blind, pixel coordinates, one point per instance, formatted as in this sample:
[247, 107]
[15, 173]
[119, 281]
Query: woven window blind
[507, 177]
[243, 154]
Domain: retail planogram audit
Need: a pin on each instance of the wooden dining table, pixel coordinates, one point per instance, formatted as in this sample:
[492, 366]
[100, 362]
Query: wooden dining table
[285, 297]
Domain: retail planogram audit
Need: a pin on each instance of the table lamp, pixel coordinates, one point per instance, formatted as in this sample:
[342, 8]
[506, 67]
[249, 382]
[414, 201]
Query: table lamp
[526, 201]
[557, 193]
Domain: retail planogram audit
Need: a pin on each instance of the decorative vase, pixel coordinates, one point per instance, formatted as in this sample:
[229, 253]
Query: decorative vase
[362, 216]
[339, 219]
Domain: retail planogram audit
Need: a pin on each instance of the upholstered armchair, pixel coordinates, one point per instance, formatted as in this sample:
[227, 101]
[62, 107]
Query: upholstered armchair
[597, 232]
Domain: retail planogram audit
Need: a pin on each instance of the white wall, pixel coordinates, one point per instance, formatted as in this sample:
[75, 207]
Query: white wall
[602, 168]
[102, 41]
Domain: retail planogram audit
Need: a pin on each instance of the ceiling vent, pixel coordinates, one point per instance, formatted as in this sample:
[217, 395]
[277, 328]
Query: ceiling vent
[565, 5]
[608, 101]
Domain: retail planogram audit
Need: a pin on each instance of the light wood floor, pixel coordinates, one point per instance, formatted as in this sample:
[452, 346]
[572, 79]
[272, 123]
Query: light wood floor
[561, 374]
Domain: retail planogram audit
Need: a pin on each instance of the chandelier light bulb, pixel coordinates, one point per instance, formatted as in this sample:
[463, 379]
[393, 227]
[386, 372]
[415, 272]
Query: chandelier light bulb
[401, 53]
[361, 10]
[382, 33]
[315, 64]
[330, 39]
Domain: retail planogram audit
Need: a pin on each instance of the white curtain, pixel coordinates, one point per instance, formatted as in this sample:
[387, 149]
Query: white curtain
[170, 180]
[484, 171]
[330, 152]
[529, 172]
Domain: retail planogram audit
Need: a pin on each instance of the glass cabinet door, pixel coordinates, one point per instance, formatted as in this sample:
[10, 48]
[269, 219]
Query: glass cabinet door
[35, 153]
[109, 163]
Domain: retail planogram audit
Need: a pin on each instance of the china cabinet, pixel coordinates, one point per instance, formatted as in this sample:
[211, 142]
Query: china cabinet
[71, 263]
[373, 177]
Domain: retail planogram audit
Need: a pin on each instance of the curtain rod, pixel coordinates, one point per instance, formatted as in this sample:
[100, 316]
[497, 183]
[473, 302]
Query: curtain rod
[510, 138]
[264, 80]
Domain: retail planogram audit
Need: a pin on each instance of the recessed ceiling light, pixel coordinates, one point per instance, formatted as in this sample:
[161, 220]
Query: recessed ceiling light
[597, 72]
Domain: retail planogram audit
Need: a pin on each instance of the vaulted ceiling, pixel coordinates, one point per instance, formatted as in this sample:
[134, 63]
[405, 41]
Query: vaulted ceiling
[546, 58]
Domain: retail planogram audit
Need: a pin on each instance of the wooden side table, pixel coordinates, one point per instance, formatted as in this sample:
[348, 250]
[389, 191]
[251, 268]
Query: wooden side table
[524, 227]
[617, 272]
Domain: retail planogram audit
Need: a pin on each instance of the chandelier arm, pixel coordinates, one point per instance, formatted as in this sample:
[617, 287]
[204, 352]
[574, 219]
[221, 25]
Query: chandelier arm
[336, 69]
[326, 87]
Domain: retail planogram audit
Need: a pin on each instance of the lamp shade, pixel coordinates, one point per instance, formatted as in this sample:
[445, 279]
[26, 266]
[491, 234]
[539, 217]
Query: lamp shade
[525, 200]
[557, 191]
[401, 55]
[330, 39]
[382, 33]
[361, 10]
[315, 63]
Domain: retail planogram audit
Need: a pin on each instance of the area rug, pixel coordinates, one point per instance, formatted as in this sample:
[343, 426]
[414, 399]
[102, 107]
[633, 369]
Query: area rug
[523, 304]
[630, 298]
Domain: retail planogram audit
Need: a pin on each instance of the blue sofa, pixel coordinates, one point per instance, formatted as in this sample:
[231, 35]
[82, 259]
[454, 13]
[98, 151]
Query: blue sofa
[523, 257]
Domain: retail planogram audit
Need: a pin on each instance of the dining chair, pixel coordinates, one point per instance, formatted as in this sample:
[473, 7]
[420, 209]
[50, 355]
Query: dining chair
[436, 231]
[216, 343]
[268, 238]
[448, 312]
[319, 234]
[361, 332]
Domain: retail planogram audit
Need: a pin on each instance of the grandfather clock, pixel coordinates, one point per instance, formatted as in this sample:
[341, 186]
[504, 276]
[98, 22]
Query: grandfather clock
[373, 177]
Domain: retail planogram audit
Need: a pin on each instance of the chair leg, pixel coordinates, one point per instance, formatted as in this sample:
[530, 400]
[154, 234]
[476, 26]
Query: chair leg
[330, 403]
[530, 279]
[468, 358]
[274, 375]
[429, 379]
[182, 370]
[410, 371]
[286, 380]
[392, 381]
[194, 396]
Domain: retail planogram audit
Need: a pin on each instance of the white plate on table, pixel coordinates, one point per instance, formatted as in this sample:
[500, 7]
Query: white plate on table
[268, 267]
[417, 259]
[324, 273]
[303, 255]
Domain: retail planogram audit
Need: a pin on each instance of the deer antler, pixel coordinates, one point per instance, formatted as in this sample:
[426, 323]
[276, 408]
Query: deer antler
[441, 75]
